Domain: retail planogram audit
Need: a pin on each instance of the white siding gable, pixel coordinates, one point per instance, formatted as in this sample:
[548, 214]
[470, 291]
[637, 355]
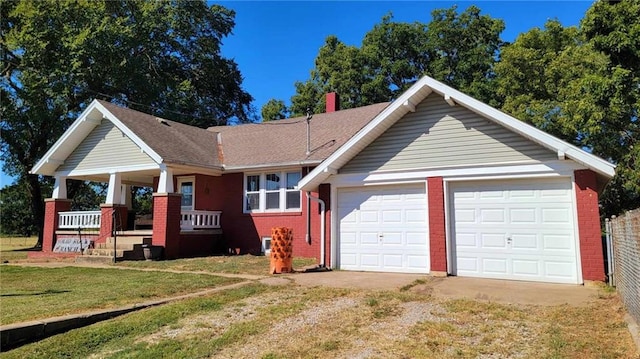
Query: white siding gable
[106, 146]
[439, 135]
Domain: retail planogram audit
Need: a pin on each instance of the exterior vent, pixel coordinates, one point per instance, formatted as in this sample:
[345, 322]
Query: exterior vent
[162, 121]
[266, 246]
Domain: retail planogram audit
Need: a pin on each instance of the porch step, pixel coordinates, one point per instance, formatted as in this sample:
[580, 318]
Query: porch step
[129, 240]
[103, 252]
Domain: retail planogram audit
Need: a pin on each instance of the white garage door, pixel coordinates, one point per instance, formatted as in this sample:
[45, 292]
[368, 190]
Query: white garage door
[383, 229]
[520, 230]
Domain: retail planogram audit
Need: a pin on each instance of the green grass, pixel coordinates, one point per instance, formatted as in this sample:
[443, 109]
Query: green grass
[245, 264]
[260, 321]
[29, 293]
[15, 248]
[119, 338]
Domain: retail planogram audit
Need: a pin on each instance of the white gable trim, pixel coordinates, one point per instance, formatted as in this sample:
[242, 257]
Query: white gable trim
[78, 131]
[418, 92]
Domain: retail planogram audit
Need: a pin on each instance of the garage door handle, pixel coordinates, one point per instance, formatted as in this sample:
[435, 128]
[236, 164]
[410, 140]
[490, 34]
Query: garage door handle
[380, 236]
[509, 239]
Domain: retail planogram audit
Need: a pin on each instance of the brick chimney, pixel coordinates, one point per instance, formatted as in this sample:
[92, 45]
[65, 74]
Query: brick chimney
[333, 102]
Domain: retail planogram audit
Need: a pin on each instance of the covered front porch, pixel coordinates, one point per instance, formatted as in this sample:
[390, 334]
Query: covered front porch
[178, 223]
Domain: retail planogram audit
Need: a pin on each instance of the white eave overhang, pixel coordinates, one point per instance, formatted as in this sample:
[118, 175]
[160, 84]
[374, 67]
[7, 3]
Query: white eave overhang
[91, 117]
[408, 101]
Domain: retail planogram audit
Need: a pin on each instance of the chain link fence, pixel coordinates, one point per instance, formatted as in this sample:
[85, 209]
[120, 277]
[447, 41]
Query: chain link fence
[624, 232]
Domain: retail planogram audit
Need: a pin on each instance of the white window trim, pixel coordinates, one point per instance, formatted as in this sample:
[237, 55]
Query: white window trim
[191, 179]
[263, 193]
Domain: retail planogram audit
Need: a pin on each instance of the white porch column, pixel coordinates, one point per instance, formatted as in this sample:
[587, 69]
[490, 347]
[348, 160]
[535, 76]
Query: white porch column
[60, 188]
[165, 183]
[126, 196]
[114, 193]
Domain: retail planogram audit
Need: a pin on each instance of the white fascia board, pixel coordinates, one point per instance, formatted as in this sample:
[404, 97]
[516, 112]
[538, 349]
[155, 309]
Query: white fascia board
[69, 140]
[143, 146]
[496, 171]
[366, 135]
[274, 166]
[107, 170]
[534, 134]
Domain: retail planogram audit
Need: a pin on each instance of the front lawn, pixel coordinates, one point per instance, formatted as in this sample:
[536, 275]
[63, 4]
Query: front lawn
[15, 248]
[258, 321]
[28, 293]
[245, 264]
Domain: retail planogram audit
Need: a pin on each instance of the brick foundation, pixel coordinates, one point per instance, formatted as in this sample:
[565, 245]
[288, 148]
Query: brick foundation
[107, 218]
[166, 223]
[52, 206]
[591, 252]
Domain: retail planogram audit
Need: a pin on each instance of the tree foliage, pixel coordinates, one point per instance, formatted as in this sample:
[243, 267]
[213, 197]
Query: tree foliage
[459, 49]
[159, 57]
[577, 84]
[581, 84]
[274, 110]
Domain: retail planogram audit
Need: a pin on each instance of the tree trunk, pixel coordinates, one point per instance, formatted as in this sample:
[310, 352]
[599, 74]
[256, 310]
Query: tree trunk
[37, 204]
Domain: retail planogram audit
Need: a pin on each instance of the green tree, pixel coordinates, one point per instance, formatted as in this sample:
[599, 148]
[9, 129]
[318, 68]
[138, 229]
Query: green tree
[458, 48]
[159, 57]
[274, 110]
[556, 79]
[613, 28]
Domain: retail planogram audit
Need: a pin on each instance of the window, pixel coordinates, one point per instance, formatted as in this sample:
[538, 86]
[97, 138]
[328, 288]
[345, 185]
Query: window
[271, 192]
[186, 186]
[253, 193]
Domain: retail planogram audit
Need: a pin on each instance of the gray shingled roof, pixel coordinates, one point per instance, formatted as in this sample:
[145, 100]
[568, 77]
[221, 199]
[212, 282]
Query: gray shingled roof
[285, 141]
[279, 142]
[173, 141]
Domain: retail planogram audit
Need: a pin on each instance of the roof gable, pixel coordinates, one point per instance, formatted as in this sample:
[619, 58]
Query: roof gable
[162, 140]
[105, 147]
[440, 135]
[408, 101]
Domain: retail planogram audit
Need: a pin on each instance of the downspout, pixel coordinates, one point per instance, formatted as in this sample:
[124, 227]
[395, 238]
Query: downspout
[322, 226]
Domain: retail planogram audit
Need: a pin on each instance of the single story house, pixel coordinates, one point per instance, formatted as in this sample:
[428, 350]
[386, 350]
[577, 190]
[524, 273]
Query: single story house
[433, 182]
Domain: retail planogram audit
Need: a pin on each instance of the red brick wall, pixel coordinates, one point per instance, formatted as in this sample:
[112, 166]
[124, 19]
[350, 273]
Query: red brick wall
[51, 209]
[166, 223]
[106, 211]
[245, 230]
[591, 252]
[205, 192]
[194, 244]
[437, 234]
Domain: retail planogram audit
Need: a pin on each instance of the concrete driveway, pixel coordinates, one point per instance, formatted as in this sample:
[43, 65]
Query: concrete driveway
[494, 290]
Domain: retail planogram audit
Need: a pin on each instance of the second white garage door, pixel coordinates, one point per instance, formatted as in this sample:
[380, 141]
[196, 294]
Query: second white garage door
[520, 230]
[383, 229]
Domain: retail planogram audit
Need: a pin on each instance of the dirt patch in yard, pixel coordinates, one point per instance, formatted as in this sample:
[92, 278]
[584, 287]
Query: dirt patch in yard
[299, 322]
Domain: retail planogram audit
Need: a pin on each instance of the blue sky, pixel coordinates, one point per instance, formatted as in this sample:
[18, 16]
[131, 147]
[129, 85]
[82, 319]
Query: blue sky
[275, 43]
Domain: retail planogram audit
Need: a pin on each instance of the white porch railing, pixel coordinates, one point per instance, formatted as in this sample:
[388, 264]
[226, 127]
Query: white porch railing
[79, 219]
[91, 219]
[199, 219]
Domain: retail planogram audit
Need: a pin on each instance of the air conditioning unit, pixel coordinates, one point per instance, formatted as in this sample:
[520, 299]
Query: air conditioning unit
[266, 246]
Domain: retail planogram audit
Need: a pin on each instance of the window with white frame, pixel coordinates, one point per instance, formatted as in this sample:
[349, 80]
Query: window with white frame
[272, 192]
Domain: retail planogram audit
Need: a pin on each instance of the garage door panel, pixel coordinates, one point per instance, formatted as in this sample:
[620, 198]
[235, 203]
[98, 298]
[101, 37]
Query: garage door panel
[370, 260]
[515, 230]
[525, 241]
[416, 239]
[523, 267]
[494, 265]
[392, 261]
[369, 238]
[368, 216]
[391, 229]
[391, 216]
[493, 240]
[492, 216]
